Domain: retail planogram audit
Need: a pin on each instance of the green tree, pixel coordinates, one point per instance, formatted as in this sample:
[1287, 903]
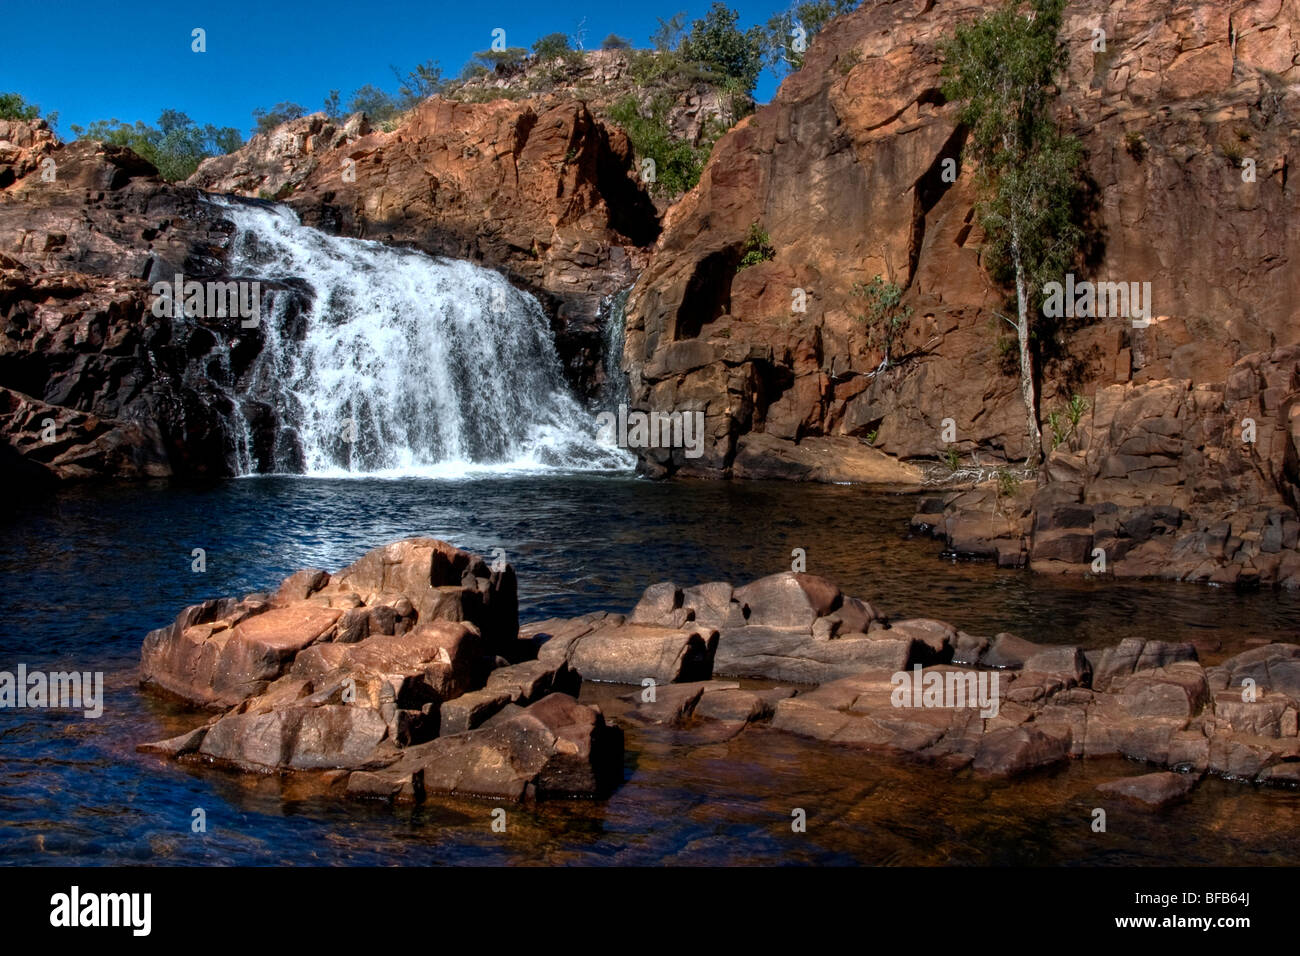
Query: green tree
[378, 105]
[716, 42]
[501, 59]
[1001, 71]
[551, 46]
[333, 107]
[677, 163]
[176, 145]
[800, 23]
[14, 107]
[419, 84]
[615, 42]
[885, 311]
[668, 34]
[279, 113]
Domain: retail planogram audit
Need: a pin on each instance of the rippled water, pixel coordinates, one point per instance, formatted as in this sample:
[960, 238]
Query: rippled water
[87, 573]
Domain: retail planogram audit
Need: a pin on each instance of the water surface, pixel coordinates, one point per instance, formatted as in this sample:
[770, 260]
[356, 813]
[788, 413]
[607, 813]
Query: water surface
[87, 572]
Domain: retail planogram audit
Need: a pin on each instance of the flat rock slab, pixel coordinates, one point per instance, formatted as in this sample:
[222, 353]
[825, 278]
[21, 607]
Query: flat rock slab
[1152, 789]
[220, 653]
[794, 654]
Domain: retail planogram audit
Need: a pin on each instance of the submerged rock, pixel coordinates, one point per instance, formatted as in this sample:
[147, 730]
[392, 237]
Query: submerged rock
[1152, 789]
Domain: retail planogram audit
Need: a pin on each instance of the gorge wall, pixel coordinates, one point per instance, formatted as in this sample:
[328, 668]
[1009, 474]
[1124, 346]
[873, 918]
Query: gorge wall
[844, 172]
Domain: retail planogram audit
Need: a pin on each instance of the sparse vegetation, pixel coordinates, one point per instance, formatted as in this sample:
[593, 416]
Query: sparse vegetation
[1064, 422]
[268, 119]
[1135, 145]
[783, 29]
[176, 145]
[677, 163]
[885, 311]
[758, 247]
[1008, 484]
[847, 61]
[952, 458]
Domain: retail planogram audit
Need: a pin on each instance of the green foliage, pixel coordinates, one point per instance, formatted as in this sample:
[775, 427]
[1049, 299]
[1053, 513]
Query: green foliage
[952, 458]
[378, 105]
[176, 145]
[1076, 408]
[279, 113]
[1064, 422]
[472, 70]
[871, 436]
[501, 60]
[668, 34]
[885, 310]
[678, 164]
[1056, 424]
[615, 42]
[1008, 484]
[332, 107]
[719, 44]
[418, 84]
[1001, 70]
[551, 46]
[811, 17]
[757, 248]
[1135, 145]
[14, 107]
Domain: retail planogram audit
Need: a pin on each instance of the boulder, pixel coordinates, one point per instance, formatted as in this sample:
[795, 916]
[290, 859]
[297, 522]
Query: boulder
[631, 653]
[788, 599]
[553, 748]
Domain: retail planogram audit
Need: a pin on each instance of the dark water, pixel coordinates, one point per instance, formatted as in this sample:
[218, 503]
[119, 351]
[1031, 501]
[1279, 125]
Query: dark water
[87, 573]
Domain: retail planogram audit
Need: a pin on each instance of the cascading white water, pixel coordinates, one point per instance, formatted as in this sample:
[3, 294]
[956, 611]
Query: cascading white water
[404, 364]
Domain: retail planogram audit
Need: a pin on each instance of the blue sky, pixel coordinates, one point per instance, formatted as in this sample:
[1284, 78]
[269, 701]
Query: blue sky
[130, 59]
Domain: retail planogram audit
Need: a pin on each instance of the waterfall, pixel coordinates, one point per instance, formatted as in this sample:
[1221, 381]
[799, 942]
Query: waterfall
[400, 363]
[615, 390]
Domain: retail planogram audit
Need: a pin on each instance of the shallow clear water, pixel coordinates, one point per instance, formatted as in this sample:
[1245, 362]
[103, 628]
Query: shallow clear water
[83, 576]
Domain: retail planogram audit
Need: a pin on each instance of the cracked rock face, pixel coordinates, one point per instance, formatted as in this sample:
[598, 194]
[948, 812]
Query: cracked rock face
[389, 673]
[844, 171]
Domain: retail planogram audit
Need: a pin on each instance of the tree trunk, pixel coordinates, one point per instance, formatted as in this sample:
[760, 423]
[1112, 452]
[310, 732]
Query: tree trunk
[1027, 388]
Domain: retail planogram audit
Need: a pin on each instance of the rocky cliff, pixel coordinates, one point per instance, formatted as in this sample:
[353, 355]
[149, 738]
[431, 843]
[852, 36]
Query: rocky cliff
[844, 173]
[92, 384]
